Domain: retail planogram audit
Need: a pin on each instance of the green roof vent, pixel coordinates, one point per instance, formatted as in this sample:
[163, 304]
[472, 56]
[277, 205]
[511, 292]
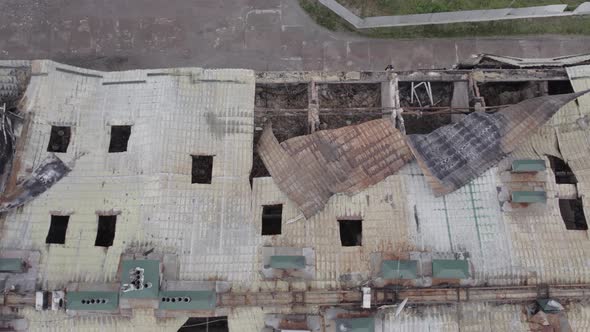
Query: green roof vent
[187, 300]
[355, 325]
[529, 197]
[95, 300]
[287, 262]
[140, 279]
[393, 269]
[13, 265]
[528, 165]
[450, 269]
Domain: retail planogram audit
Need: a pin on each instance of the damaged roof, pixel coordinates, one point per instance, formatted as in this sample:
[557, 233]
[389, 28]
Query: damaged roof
[310, 169]
[495, 61]
[214, 229]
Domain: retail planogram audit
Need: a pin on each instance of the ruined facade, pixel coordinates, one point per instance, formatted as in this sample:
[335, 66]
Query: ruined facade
[161, 184]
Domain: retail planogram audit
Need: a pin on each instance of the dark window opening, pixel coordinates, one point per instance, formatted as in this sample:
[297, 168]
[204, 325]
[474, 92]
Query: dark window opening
[351, 232]
[272, 219]
[205, 324]
[572, 213]
[57, 229]
[119, 138]
[563, 173]
[559, 87]
[202, 169]
[59, 139]
[106, 231]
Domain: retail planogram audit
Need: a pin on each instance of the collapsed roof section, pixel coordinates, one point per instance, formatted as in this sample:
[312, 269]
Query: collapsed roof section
[454, 155]
[310, 169]
[502, 61]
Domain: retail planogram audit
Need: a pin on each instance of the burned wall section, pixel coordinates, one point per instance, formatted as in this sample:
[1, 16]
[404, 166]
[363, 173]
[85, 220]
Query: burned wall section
[346, 104]
[283, 95]
[509, 93]
[13, 83]
[426, 120]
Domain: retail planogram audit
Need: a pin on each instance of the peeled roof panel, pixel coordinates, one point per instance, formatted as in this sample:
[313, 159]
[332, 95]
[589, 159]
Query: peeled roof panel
[454, 155]
[310, 169]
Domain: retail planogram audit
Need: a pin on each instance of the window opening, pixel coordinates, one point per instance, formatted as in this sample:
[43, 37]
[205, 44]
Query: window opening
[119, 138]
[272, 219]
[59, 140]
[351, 232]
[57, 229]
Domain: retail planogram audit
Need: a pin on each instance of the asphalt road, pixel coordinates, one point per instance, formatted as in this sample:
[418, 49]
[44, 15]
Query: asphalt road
[256, 34]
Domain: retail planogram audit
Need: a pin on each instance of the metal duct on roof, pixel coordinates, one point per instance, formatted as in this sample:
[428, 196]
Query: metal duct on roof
[454, 155]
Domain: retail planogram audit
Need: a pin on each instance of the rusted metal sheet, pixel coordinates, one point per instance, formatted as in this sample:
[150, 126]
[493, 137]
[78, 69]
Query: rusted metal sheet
[310, 169]
[48, 173]
[454, 155]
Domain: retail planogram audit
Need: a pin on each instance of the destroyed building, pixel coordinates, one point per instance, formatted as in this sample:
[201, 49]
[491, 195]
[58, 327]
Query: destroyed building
[193, 199]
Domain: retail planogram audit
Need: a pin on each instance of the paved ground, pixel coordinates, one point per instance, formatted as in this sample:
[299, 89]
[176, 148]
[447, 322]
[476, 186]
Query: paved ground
[258, 34]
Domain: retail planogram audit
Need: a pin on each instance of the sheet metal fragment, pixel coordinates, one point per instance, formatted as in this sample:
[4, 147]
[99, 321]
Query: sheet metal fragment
[48, 173]
[454, 155]
[310, 169]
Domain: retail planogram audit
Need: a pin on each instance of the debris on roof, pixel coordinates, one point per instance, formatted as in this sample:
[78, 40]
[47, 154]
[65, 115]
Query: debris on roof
[310, 169]
[454, 155]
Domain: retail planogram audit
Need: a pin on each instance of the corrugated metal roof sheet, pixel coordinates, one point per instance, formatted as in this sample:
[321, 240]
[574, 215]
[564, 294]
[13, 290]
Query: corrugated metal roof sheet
[454, 155]
[310, 169]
